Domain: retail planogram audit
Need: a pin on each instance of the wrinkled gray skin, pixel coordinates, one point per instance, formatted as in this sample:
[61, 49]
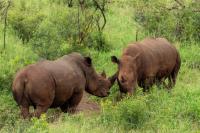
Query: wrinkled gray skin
[147, 62]
[59, 83]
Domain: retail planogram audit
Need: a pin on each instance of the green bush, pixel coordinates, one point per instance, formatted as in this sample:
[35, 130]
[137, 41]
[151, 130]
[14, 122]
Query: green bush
[132, 112]
[47, 42]
[47, 26]
[173, 20]
[38, 125]
[25, 19]
[129, 113]
[97, 41]
[7, 107]
[14, 57]
[10, 65]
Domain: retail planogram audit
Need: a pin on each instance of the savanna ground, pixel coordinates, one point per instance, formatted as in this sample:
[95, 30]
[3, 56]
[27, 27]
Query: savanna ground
[157, 111]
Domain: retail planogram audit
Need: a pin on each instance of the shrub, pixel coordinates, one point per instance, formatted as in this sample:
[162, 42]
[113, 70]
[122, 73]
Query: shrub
[129, 113]
[10, 65]
[97, 41]
[7, 107]
[39, 125]
[173, 20]
[132, 112]
[47, 28]
[25, 19]
[46, 41]
[12, 59]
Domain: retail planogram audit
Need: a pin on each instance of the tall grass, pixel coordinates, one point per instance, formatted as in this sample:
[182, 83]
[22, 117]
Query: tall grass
[12, 58]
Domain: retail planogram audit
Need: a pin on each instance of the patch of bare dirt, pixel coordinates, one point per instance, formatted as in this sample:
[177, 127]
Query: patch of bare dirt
[87, 106]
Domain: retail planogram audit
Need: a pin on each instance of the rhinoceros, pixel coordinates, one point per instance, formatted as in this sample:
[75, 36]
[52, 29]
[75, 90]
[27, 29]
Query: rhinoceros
[147, 62]
[59, 83]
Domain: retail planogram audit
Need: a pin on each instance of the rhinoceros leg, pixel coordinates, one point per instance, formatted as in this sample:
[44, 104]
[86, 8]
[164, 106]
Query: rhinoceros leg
[146, 88]
[146, 85]
[72, 103]
[39, 110]
[65, 107]
[172, 79]
[170, 83]
[160, 83]
[25, 111]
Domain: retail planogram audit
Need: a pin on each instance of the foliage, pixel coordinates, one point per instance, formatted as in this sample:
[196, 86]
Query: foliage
[126, 113]
[50, 35]
[78, 25]
[8, 108]
[174, 19]
[25, 20]
[4, 7]
[39, 125]
[191, 57]
[12, 59]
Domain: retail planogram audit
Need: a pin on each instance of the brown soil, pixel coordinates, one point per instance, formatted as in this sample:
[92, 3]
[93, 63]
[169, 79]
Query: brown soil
[87, 106]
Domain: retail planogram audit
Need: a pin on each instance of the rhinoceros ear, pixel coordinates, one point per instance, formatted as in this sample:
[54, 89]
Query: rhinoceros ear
[103, 74]
[114, 59]
[88, 61]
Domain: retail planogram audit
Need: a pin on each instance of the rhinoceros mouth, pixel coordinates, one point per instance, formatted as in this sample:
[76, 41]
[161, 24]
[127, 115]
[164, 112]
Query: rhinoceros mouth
[122, 90]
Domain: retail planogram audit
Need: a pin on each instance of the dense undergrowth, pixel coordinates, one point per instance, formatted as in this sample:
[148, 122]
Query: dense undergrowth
[157, 111]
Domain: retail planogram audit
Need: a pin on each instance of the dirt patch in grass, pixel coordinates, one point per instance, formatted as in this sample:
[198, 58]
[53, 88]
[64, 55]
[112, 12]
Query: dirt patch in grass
[87, 106]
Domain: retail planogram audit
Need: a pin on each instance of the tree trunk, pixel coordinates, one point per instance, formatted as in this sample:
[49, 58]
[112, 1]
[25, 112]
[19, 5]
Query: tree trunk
[5, 24]
[4, 34]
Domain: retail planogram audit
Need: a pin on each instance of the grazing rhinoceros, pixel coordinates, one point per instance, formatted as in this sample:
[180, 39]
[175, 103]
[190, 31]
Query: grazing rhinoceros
[58, 83]
[147, 62]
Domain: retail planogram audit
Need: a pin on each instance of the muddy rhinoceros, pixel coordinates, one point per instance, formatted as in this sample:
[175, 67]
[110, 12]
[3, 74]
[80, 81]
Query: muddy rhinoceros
[147, 62]
[59, 83]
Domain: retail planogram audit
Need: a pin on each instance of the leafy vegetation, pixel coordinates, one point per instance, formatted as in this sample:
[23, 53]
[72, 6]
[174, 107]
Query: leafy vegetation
[175, 19]
[36, 22]
[45, 29]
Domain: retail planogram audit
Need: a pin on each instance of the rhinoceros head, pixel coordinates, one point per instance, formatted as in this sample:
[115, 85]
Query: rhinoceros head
[127, 73]
[97, 84]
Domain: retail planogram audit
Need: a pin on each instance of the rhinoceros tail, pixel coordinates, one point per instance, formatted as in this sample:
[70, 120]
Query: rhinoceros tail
[178, 62]
[18, 88]
[176, 68]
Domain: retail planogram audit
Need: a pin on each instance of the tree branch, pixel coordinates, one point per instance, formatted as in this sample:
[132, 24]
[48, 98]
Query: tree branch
[5, 15]
[180, 4]
[102, 11]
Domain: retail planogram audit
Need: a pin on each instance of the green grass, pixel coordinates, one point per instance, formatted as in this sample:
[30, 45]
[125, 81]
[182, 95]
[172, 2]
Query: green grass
[157, 111]
[12, 58]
